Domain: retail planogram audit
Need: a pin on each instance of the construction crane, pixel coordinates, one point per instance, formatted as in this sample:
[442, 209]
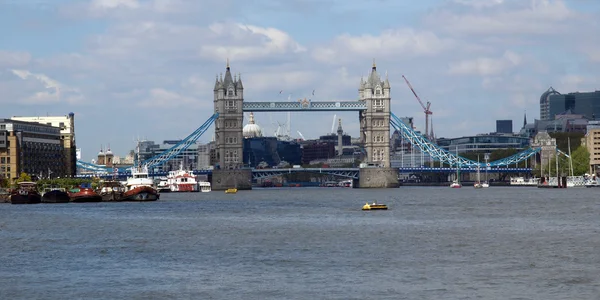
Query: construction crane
[425, 110]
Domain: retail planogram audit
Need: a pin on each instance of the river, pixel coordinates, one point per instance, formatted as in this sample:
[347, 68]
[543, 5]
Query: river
[308, 243]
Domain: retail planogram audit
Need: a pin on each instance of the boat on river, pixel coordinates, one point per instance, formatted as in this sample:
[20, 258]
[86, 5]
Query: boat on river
[26, 193]
[374, 206]
[231, 191]
[84, 193]
[55, 195]
[204, 186]
[139, 186]
[111, 191]
[182, 181]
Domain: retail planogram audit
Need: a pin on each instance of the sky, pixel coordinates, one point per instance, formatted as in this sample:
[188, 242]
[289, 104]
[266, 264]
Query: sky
[145, 69]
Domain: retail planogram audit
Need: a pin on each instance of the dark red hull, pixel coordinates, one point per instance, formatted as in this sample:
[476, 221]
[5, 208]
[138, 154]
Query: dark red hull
[85, 195]
[141, 193]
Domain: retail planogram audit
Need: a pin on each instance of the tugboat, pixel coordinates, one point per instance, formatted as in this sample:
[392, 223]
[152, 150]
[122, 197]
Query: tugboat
[111, 191]
[26, 193]
[84, 193]
[374, 206]
[140, 187]
[55, 195]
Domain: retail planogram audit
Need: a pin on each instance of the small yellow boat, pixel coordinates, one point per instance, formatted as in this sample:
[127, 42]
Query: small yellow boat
[374, 206]
[231, 191]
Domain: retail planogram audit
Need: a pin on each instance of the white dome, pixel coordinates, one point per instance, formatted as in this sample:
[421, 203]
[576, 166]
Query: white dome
[252, 129]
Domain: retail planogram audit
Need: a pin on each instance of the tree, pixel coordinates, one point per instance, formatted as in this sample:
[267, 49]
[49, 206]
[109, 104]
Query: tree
[581, 161]
[3, 182]
[23, 177]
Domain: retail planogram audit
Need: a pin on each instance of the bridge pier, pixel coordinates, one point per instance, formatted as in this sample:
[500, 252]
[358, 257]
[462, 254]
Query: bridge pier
[227, 179]
[378, 178]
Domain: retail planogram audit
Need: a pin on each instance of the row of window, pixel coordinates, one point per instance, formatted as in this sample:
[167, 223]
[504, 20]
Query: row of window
[231, 140]
[4, 160]
[231, 156]
[378, 154]
[379, 138]
[378, 123]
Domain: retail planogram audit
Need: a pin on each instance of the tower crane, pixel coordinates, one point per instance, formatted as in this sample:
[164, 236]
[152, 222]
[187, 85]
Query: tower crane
[425, 109]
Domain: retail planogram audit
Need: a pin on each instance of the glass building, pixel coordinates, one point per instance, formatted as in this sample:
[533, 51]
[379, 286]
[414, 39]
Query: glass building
[504, 126]
[484, 143]
[586, 104]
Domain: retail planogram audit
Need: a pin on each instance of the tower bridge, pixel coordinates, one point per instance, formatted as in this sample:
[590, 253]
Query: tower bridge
[373, 107]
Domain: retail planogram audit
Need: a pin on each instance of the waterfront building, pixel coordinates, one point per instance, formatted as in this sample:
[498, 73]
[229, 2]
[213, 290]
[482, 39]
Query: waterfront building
[553, 103]
[67, 137]
[313, 151]
[31, 147]
[186, 159]
[270, 151]
[204, 155]
[545, 104]
[484, 142]
[564, 122]
[592, 142]
[504, 126]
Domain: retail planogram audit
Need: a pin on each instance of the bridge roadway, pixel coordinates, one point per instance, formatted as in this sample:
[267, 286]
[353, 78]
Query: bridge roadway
[341, 172]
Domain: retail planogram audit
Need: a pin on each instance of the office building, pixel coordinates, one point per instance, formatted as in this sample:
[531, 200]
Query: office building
[32, 148]
[504, 126]
[67, 137]
[586, 104]
[592, 141]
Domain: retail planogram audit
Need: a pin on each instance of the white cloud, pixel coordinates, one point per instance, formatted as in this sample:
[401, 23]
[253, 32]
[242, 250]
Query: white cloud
[162, 99]
[11, 59]
[486, 66]
[50, 90]
[403, 43]
[111, 4]
[544, 17]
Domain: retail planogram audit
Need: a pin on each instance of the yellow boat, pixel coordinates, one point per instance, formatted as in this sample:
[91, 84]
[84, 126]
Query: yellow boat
[374, 206]
[231, 191]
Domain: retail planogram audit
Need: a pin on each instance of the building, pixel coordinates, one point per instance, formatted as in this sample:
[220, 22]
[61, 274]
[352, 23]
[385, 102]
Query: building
[484, 142]
[317, 151]
[592, 141]
[586, 104]
[228, 101]
[504, 126]
[67, 137]
[564, 122]
[374, 122]
[186, 159]
[204, 155]
[270, 152]
[33, 148]
[545, 104]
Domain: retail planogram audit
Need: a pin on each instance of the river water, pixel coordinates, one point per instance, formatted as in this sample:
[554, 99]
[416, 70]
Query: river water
[308, 243]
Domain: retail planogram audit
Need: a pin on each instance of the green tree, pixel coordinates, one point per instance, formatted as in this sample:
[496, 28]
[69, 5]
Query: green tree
[581, 161]
[3, 182]
[23, 177]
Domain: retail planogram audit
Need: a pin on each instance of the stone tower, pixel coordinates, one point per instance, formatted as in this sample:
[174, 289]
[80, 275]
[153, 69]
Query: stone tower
[229, 97]
[375, 120]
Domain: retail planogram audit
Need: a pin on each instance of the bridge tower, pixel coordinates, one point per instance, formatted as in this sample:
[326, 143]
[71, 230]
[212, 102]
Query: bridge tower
[228, 101]
[375, 131]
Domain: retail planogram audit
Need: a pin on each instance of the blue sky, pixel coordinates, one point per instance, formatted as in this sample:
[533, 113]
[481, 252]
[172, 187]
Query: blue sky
[146, 68]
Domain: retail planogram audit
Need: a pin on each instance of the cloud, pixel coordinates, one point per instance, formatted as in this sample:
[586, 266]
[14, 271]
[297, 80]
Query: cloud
[486, 66]
[161, 57]
[11, 59]
[511, 17]
[402, 43]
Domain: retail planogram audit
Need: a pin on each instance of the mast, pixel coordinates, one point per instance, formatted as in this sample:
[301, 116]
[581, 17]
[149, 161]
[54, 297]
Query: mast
[570, 158]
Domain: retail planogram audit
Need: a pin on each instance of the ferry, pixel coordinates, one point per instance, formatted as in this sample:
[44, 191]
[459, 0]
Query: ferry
[182, 181]
[455, 184]
[163, 185]
[204, 186]
[521, 181]
[374, 206]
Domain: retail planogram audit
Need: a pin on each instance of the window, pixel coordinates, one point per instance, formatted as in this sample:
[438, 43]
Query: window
[230, 104]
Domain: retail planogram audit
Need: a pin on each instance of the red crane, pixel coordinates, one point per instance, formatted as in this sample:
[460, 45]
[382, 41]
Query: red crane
[425, 109]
